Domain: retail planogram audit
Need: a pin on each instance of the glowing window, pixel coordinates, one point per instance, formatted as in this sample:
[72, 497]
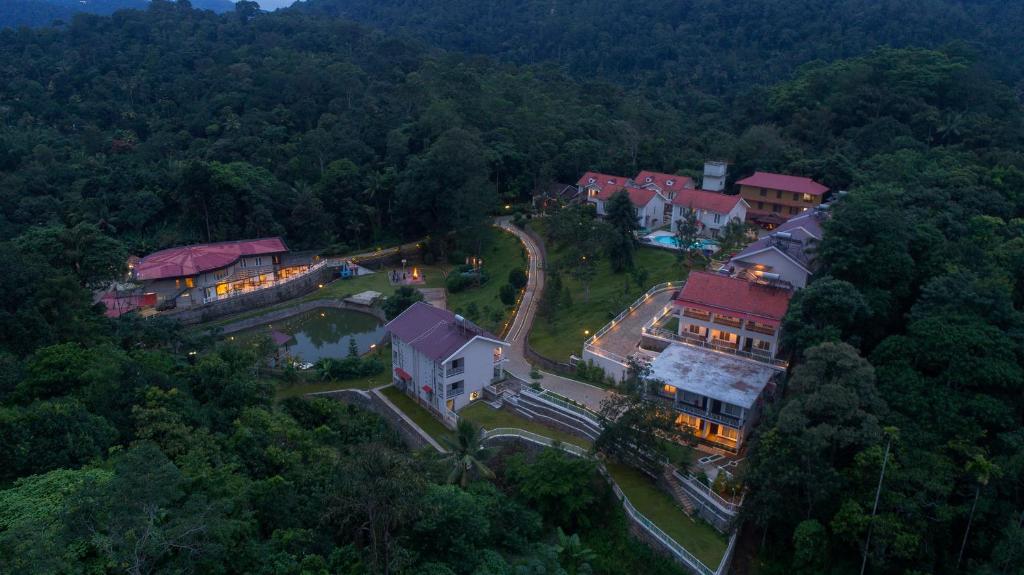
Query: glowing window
[222, 289]
[671, 389]
[190, 282]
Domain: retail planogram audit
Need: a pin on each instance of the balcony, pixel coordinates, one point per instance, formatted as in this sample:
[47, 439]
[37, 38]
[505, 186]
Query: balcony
[758, 328]
[714, 417]
[452, 372]
[724, 344]
[728, 321]
[454, 392]
[695, 341]
[696, 314]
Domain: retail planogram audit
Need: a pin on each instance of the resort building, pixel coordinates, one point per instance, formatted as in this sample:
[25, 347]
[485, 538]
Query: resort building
[442, 359]
[713, 210]
[731, 314]
[787, 254]
[596, 187]
[715, 174]
[193, 275]
[774, 198]
[717, 397]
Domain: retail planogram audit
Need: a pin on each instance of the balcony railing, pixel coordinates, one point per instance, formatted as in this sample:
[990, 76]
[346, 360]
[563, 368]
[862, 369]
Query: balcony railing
[758, 328]
[452, 372]
[715, 417]
[703, 316]
[755, 355]
[724, 344]
[731, 322]
[455, 392]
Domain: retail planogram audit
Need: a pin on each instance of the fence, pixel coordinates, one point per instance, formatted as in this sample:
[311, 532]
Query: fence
[696, 342]
[589, 346]
[564, 404]
[689, 480]
[534, 438]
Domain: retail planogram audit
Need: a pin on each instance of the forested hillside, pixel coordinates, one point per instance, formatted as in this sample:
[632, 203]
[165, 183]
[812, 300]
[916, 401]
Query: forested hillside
[152, 128]
[33, 13]
[715, 47]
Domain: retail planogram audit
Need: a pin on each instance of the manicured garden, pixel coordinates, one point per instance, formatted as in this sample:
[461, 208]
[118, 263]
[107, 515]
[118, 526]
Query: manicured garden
[696, 536]
[489, 418]
[610, 293]
[418, 414]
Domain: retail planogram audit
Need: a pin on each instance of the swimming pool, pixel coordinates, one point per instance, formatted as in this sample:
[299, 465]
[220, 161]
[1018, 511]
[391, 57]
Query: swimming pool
[701, 244]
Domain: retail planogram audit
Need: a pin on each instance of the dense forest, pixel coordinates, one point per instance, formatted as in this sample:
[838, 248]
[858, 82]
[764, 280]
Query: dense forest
[34, 13]
[141, 130]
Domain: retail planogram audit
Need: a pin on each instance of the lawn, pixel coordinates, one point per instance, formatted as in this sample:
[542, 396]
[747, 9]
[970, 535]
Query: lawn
[504, 254]
[309, 382]
[489, 418]
[418, 414]
[697, 537]
[610, 293]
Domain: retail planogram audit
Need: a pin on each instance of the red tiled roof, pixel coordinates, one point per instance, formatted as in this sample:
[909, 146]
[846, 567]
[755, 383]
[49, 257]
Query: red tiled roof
[705, 200]
[667, 182]
[600, 180]
[196, 259]
[735, 297]
[639, 197]
[784, 183]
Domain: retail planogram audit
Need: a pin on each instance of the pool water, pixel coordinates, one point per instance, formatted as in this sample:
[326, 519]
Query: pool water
[323, 332]
[673, 241]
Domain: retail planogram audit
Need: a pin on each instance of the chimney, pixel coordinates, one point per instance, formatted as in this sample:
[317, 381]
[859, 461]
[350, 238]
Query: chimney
[714, 176]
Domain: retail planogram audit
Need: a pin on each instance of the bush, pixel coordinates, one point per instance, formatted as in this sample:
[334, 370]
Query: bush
[507, 294]
[517, 277]
[457, 257]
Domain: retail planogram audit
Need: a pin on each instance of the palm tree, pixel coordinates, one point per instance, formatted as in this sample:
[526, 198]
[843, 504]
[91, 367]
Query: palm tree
[468, 453]
[982, 469]
[573, 556]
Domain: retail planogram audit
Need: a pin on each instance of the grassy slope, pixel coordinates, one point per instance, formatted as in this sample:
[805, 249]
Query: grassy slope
[418, 414]
[608, 296]
[489, 418]
[504, 254]
[697, 537]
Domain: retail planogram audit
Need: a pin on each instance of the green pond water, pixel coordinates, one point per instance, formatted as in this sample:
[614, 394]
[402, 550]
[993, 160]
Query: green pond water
[323, 332]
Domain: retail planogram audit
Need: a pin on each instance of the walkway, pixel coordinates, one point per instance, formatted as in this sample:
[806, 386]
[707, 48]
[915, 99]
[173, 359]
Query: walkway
[517, 365]
[624, 337]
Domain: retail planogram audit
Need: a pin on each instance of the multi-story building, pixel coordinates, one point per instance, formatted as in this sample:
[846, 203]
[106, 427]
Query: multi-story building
[787, 254]
[774, 198]
[596, 187]
[713, 210]
[197, 274]
[442, 359]
[732, 314]
[717, 397]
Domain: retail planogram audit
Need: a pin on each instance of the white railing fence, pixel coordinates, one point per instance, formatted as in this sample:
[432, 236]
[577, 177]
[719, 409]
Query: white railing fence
[564, 404]
[534, 438]
[697, 485]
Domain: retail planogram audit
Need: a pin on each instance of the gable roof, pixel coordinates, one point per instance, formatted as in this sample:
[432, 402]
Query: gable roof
[804, 232]
[639, 197]
[705, 200]
[666, 182]
[196, 259]
[735, 297]
[783, 182]
[600, 180]
[435, 332]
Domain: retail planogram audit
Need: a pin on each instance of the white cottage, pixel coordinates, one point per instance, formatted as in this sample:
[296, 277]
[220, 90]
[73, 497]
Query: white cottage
[442, 359]
[714, 210]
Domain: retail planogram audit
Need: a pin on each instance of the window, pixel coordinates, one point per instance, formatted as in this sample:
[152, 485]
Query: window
[276, 260]
[258, 261]
[670, 182]
[728, 432]
[764, 192]
[687, 420]
[177, 282]
[691, 398]
[591, 181]
[668, 389]
[776, 208]
[733, 410]
[647, 179]
[808, 198]
[190, 282]
[208, 292]
[796, 197]
[222, 289]
[718, 218]
[760, 205]
[794, 210]
[778, 194]
[762, 345]
[695, 329]
[221, 274]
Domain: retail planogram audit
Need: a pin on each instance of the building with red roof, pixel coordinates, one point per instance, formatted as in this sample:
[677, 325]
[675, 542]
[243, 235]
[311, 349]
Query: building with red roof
[442, 359]
[649, 203]
[668, 184]
[187, 276]
[713, 210]
[774, 198]
[732, 314]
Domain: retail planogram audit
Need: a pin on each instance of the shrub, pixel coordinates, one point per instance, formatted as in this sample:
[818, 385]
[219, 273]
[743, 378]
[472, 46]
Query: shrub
[517, 277]
[507, 294]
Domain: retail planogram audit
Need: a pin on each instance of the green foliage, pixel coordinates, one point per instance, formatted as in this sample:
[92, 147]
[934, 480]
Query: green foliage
[517, 277]
[468, 456]
[508, 294]
[559, 486]
[400, 301]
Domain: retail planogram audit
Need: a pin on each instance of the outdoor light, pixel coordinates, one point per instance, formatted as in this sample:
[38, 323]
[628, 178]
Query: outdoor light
[320, 285]
[508, 207]
[586, 332]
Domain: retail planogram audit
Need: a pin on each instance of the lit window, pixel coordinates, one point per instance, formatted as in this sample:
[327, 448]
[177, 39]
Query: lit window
[670, 389]
[190, 282]
[222, 289]
[728, 432]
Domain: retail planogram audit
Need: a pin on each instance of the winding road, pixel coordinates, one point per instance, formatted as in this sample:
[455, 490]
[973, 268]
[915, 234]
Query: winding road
[584, 393]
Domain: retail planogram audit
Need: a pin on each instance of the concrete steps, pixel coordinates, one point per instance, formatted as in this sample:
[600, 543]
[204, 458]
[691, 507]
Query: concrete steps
[678, 493]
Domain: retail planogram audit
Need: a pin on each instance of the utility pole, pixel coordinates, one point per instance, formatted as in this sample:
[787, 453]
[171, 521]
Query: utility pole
[874, 510]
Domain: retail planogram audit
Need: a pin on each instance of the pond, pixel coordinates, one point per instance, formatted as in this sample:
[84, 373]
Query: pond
[322, 332]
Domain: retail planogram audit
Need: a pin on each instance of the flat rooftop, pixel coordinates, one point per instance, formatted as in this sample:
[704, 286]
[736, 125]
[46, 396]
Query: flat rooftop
[716, 375]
